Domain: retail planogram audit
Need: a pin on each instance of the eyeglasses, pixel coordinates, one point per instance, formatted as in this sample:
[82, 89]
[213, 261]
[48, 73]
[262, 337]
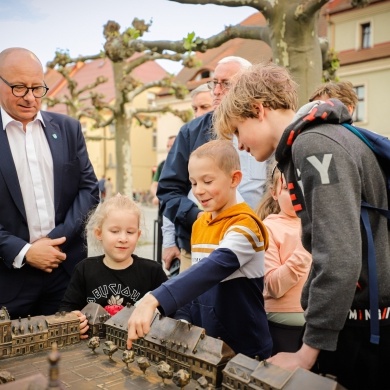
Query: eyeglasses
[22, 90]
[224, 84]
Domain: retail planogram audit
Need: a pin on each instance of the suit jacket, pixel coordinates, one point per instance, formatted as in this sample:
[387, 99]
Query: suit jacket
[75, 193]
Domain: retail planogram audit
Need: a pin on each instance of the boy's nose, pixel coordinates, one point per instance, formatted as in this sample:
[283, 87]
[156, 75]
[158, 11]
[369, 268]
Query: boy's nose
[199, 189]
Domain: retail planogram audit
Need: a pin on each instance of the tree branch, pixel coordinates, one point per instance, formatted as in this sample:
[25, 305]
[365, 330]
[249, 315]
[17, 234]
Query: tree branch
[307, 9]
[259, 4]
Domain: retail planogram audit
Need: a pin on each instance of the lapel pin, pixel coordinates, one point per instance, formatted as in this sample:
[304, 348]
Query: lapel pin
[55, 136]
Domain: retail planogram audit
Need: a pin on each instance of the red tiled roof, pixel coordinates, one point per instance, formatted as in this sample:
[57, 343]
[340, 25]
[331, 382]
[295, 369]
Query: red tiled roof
[336, 6]
[352, 56]
[86, 73]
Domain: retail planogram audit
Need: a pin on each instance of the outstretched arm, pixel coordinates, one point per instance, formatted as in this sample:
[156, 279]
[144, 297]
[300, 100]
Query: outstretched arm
[304, 358]
[141, 318]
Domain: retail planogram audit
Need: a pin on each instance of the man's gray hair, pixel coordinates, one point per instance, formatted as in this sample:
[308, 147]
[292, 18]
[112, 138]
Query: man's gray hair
[199, 89]
[244, 64]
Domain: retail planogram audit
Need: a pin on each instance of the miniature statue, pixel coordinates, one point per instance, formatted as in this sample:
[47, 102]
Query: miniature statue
[181, 378]
[54, 377]
[110, 348]
[93, 343]
[165, 371]
[143, 364]
[128, 357]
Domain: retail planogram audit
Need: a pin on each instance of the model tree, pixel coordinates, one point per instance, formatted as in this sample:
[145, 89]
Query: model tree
[128, 357]
[181, 378]
[93, 343]
[143, 364]
[164, 371]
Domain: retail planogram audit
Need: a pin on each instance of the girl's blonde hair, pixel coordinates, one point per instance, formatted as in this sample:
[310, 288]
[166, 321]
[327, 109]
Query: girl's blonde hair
[268, 84]
[97, 217]
[268, 205]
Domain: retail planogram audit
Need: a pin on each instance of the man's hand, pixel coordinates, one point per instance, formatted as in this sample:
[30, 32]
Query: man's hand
[139, 322]
[168, 254]
[83, 324]
[45, 254]
[304, 358]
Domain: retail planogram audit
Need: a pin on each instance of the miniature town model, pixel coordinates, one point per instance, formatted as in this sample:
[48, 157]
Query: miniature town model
[183, 349]
[34, 334]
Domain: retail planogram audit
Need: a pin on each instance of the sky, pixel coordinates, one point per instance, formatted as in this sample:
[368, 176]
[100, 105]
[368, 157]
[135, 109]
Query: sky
[44, 26]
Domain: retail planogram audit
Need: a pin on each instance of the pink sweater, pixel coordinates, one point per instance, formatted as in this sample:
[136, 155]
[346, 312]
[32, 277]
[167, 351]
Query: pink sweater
[287, 265]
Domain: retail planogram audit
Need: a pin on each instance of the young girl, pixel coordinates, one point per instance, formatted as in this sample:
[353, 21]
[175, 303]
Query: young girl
[118, 276]
[287, 265]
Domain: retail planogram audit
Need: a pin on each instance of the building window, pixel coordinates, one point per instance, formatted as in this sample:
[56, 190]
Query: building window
[154, 139]
[151, 97]
[204, 74]
[359, 113]
[365, 35]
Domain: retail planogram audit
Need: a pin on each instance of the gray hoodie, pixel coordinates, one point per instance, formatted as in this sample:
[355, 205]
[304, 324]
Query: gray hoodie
[329, 171]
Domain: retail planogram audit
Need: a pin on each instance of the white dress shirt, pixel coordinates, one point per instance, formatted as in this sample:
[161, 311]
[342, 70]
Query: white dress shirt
[34, 166]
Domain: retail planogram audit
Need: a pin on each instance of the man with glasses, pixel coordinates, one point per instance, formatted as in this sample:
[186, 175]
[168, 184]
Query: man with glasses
[47, 187]
[174, 185]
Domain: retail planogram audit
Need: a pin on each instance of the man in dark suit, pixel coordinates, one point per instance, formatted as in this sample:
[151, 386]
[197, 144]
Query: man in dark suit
[47, 187]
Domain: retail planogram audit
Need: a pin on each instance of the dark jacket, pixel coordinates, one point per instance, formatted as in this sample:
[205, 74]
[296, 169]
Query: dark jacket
[174, 186]
[75, 193]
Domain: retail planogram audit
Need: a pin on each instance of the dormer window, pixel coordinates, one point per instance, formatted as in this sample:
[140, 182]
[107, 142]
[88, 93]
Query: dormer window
[203, 74]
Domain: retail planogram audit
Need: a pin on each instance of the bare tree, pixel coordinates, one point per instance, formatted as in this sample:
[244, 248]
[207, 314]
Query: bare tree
[291, 32]
[85, 102]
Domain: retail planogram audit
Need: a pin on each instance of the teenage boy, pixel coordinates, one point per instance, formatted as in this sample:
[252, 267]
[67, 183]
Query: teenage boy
[224, 285]
[329, 170]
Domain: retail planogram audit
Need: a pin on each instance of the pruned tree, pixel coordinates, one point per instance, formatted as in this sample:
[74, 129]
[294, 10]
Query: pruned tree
[291, 32]
[86, 102]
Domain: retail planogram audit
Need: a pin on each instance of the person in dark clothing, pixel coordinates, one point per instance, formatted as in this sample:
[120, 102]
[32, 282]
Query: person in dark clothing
[47, 187]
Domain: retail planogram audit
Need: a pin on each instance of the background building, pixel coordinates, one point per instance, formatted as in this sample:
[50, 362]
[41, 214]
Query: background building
[361, 37]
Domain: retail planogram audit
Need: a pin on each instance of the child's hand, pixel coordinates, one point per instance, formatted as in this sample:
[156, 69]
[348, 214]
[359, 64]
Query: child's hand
[139, 322]
[83, 324]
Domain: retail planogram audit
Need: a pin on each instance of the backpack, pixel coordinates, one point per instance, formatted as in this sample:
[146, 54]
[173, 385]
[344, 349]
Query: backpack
[380, 145]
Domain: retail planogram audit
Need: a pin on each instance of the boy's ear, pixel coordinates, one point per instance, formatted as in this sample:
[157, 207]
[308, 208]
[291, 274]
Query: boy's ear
[236, 178]
[260, 111]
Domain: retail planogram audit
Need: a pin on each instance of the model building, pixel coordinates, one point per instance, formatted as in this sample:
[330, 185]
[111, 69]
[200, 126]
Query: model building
[183, 347]
[34, 334]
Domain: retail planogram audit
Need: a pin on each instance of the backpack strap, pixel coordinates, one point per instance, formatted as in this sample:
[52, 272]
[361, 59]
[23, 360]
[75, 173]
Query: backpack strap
[371, 257]
[384, 212]
[372, 278]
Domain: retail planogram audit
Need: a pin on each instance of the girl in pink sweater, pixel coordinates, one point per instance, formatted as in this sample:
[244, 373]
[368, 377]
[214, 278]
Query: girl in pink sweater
[287, 265]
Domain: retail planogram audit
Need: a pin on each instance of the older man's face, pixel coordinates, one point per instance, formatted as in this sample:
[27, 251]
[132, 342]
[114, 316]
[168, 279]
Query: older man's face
[223, 75]
[20, 68]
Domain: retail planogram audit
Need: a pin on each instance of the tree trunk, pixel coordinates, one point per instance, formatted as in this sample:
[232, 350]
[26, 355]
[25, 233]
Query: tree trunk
[295, 45]
[124, 174]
